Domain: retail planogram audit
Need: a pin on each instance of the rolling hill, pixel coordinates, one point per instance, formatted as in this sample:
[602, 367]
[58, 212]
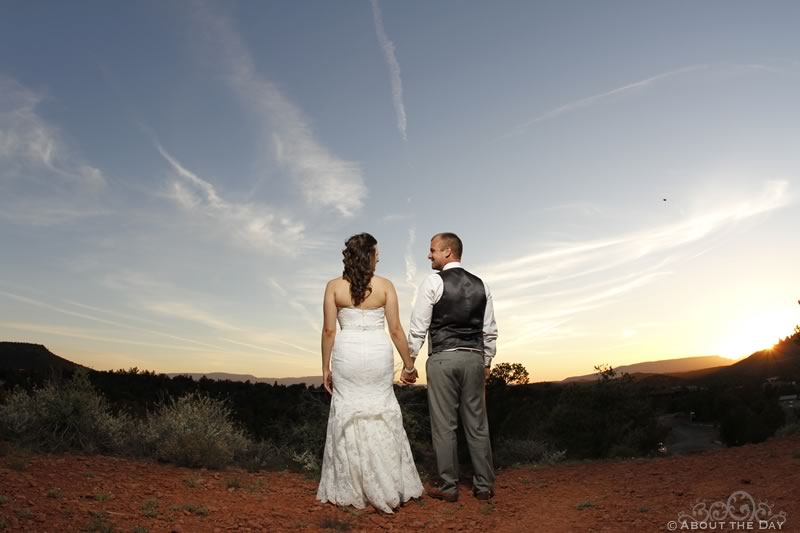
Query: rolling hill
[665, 366]
[223, 376]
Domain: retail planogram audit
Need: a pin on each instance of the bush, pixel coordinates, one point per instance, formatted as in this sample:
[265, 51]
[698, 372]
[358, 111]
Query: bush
[194, 430]
[750, 417]
[789, 429]
[265, 455]
[72, 416]
[510, 452]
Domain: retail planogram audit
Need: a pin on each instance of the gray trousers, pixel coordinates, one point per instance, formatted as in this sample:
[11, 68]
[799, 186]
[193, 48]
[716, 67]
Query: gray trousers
[456, 384]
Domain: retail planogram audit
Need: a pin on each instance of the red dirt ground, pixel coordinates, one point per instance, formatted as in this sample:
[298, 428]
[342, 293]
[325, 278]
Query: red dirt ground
[96, 493]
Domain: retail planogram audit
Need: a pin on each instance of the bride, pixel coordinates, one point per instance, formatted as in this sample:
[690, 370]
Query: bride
[367, 457]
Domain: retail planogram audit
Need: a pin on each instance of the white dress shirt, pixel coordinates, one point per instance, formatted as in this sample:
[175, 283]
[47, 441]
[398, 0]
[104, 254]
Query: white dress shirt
[428, 294]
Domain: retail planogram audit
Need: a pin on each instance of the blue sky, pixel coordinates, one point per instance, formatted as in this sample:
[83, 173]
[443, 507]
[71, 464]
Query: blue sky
[177, 179]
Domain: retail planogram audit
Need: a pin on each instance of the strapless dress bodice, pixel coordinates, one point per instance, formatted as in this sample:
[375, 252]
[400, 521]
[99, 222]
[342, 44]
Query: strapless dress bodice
[352, 318]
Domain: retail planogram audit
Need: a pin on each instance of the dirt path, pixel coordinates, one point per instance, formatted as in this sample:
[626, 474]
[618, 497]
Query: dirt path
[48, 493]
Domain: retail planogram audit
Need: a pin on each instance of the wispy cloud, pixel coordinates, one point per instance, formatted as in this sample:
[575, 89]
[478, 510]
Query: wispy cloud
[395, 217]
[641, 84]
[179, 311]
[84, 334]
[411, 264]
[314, 322]
[101, 320]
[42, 180]
[551, 265]
[537, 294]
[254, 225]
[190, 313]
[394, 68]
[589, 100]
[324, 179]
[161, 299]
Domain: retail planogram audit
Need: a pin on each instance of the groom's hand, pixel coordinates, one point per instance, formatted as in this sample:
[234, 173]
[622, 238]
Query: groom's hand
[409, 378]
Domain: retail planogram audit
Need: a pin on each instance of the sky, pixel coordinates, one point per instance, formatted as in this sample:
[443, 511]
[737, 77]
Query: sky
[177, 179]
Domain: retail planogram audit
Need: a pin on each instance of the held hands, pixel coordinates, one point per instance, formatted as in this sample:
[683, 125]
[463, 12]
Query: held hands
[409, 377]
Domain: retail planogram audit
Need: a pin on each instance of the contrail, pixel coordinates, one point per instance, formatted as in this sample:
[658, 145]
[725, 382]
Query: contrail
[394, 69]
[583, 102]
[411, 265]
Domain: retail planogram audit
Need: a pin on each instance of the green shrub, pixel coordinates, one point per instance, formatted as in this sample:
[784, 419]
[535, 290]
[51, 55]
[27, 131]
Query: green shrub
[302, 440]
[264, 455]
[193, 430]
[792, 428]
[72, 416]
[522, 451]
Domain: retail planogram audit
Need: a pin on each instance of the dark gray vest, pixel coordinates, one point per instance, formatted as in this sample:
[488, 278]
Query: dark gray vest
[457, 320]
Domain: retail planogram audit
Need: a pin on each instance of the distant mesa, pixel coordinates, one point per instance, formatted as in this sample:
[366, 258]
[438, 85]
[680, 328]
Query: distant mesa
[665, 366]
[27, 356]
[36, 357]
[782, 361]
[224, 376]
[779, 363]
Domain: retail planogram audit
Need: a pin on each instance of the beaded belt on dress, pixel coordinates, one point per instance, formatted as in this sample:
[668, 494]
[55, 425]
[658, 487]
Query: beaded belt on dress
[364, 328]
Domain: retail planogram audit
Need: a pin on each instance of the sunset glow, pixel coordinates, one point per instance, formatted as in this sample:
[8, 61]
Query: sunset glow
[627, 187]
[755, 333]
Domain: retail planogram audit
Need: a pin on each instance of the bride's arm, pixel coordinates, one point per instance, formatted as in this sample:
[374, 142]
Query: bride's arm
[328, 335]
[395, 328]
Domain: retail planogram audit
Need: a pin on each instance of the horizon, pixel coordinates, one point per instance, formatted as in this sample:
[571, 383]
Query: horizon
[422, 381]
[623, 176]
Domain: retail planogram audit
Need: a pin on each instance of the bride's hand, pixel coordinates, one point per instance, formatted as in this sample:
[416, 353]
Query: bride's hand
[409, 378]
[327, 381]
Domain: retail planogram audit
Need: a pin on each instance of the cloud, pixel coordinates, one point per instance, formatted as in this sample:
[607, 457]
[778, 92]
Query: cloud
[538, 293]
[314, 322]
[143, 291]
[92, 318]
[411, 264]
[589, 100]
[395, 217]
[324, 179]
[394, 69]
[79, 333]
[42, 180]
[640, 84]
[184, 311]
[253, 225]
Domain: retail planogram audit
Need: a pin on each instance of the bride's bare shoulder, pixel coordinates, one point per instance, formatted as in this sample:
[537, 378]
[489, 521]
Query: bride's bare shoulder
[381, 281]
[336, 281]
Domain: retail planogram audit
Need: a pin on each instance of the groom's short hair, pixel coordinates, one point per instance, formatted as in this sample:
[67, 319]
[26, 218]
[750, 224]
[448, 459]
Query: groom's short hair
[452, 241]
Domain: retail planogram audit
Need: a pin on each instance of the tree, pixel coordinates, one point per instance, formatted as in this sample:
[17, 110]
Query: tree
[605, 372]
[508, 374]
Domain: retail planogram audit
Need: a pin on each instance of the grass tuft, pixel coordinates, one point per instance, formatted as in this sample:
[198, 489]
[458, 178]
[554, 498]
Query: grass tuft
[335, 524]
[150, 508]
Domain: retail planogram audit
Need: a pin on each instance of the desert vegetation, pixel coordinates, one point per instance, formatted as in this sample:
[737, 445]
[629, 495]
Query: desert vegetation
[214, 424]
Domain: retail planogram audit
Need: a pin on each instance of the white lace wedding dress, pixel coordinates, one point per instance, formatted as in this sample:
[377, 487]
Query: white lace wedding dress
[367, 456]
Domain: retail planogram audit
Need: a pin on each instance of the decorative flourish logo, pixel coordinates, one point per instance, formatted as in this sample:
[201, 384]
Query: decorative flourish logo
[740, 511]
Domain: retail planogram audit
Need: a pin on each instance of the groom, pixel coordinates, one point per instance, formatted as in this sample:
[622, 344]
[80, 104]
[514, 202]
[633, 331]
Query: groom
[455, 309]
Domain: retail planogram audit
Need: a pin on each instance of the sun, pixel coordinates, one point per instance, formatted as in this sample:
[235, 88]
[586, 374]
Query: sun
[751, 334]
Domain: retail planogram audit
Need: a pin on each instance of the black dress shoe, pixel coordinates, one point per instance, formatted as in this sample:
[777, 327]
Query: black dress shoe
[436, 492]
[483, 495]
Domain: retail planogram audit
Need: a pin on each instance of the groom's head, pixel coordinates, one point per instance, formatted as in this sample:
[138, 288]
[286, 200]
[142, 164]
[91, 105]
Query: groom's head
[445, 248]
